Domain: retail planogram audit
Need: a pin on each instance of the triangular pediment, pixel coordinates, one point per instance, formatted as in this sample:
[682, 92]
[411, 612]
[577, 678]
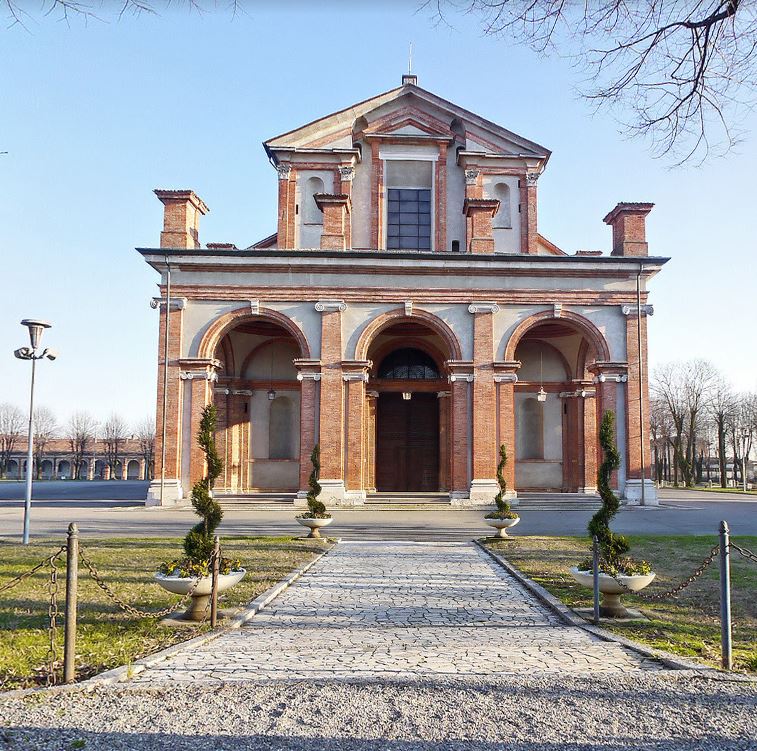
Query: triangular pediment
[406, 111]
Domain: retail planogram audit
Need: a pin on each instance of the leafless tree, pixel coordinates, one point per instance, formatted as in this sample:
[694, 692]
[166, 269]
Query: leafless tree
[114, 435]
[11, 428]
[685, 389]
[81, 430]
[45, 428]
[743, 430]
[684, 69]
[721, 406]
[146, 436]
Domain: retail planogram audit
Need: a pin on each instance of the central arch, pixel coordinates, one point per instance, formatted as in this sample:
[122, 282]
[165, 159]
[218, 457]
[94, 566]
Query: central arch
[408, 412]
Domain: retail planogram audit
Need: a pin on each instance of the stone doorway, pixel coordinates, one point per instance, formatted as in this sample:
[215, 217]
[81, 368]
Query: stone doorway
[407, 443]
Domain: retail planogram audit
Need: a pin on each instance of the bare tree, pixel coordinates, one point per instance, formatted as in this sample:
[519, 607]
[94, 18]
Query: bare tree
[685, 69]
[11, 428]
[145, 433]
[81, 432]
[743, 429]
[721, 406]
[685, 389]
[45, 428]
[114, 435]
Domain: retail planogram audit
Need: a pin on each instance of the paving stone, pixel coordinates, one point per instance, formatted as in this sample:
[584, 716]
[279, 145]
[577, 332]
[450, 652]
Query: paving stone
[390, 608]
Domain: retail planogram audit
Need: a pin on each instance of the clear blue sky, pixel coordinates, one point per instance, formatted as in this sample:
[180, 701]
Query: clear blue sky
[94, 117]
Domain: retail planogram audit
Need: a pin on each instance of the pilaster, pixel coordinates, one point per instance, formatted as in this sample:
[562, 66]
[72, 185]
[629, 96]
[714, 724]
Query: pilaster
[309, 376]
[460, 379]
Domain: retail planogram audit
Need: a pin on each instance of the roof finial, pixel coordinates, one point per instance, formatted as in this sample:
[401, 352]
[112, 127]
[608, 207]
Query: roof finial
[410, 77]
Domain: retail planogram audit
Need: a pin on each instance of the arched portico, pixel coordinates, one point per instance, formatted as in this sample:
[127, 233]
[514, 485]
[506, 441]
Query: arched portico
[555, 401]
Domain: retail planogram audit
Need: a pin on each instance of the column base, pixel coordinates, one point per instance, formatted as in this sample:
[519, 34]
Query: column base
[172, 493]
[480, 495]
[588, 490]
[333, 493]
[632, 493]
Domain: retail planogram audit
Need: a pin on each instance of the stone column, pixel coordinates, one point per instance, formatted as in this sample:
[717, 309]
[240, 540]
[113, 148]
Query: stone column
[309, 376]
[173, 490]
[637, 432]
[142, 469]
[221, 400]
[460, 378]
[331, 412]
[484, 482]
[505, 378]
[355, 377]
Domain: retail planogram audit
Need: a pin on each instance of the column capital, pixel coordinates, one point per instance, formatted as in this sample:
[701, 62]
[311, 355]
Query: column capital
[356, 370]
[329, 306]
[460, 370]
[631, 310]
[177, 303]
[284, 170]
[483, 307]
[531, 179]
[346, 173]
[471, 175]
[308, 369]
[603, 371]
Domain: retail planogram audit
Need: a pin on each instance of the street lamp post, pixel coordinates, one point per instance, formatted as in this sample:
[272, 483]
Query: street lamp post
[32, 353]
[745, 437]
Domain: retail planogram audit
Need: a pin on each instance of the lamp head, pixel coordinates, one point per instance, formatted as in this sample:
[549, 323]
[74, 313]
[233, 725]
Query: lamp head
[36, 327]
[50, 354]
[24, 353]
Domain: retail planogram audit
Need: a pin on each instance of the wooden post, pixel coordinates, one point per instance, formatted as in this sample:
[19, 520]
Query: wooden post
[72, 580]
[214, 585]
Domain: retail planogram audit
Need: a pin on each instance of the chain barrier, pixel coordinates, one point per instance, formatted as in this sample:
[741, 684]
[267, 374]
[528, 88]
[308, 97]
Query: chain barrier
[744, 552]
[42, 564]
[136, 612]
[698, 571]
[52, 614]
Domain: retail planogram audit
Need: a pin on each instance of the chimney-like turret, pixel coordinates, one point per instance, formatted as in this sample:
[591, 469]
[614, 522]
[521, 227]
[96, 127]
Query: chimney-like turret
[628, 228]
[181, 218]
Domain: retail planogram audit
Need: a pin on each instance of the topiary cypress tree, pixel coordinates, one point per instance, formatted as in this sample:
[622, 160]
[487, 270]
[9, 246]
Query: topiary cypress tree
[504, 511]
[198, 544]
[612, 546]
[316, 507]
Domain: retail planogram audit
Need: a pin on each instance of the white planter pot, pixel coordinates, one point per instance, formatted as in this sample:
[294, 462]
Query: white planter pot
[502, 525]
[181, 585]
[612, 587]
[314, 525]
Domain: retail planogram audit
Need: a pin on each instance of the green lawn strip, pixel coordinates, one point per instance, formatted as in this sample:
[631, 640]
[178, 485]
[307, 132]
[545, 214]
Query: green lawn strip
[107, 636]
[688, 624]
[699, 489]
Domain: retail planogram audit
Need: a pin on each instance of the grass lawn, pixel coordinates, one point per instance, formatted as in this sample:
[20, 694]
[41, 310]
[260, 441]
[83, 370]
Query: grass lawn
[108, 637]
[717, 489]
[687, 624]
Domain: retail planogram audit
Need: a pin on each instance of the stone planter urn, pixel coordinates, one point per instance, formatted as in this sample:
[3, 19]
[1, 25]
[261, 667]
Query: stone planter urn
[200, 601]
[612, 587]
[314, 524]
[502, 525]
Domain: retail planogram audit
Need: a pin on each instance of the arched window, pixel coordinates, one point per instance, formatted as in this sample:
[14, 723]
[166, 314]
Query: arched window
[311, 213]
[280, 443]
[502, 219]
[532, 427]
[408, 364]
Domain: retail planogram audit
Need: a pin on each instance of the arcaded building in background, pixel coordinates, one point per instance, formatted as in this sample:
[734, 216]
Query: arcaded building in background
[407, 315]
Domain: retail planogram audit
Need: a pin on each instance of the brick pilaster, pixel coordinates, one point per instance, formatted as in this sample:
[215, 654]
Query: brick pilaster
[479, 214]
[528, 218]
[309, 376]
[461, 376]
[505, 379]
[356, 423]
[377, 196]
[332, 399]
[484, 397]
[637, 432]
[441, 199]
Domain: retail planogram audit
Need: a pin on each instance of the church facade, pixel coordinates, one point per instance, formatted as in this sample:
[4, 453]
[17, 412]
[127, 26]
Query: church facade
[407, 316]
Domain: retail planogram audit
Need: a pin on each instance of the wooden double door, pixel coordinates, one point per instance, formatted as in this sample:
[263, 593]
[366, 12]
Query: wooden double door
[407, 443]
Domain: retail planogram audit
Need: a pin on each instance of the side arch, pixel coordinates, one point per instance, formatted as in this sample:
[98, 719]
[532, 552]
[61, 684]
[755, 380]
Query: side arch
[385, 320]
[584, 325]
[225, 323]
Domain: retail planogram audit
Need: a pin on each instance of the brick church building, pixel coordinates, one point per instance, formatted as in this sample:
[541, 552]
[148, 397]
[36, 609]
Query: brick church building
[407, 315]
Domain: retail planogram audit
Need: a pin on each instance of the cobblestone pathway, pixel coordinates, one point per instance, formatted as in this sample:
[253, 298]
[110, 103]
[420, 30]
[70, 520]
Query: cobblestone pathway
[372, 609]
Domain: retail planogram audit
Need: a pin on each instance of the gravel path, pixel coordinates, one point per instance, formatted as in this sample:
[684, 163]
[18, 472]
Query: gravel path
[397, 646]
[541, 712]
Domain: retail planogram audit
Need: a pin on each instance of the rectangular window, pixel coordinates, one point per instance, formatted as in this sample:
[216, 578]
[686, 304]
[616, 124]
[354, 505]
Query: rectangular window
[409, 219]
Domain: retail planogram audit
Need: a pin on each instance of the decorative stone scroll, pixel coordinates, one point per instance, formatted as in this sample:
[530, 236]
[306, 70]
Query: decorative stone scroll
[355, 377]
[329, 306]
[198, 375]
[309, 376]
[177, 303]
[483, 307]
[631, 310]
